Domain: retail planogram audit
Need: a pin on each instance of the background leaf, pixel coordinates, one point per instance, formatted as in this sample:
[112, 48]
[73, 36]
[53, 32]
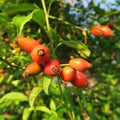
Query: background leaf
[39, 17]
[79, 46]
[19, 7]
[4, 19]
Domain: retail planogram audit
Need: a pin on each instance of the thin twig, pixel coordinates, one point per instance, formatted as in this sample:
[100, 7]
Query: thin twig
[8, 63]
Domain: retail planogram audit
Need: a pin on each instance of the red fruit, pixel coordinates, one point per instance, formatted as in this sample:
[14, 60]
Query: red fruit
[101, 31]
[27, 44]
[32, 69]
[96, 31]
[5, 113]
[79, 64]
[52, 67]
[111, 24]
[40, 54]
[67, 73]
[106, 31]
[80, 80]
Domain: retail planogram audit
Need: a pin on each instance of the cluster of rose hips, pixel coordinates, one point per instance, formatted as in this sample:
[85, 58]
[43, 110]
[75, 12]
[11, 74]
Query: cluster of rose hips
[100, 30]
[40, 55]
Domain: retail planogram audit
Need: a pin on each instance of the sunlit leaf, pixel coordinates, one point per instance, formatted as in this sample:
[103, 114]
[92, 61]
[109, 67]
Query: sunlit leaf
[33, 95]
[43, 109]
[13, 96]
[8, 78]
[1, 3]
[52, 105]
[81, 48]
[26, 113]
[46, 84]
[20, 21]
[2, 117]
[37, 15]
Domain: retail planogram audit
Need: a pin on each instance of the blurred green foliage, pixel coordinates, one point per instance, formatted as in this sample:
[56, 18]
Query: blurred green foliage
[40, 97]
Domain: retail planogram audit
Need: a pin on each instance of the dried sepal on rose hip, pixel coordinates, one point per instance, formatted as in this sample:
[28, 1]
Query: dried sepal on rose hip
[27, 44]
[111, 24]
[40, 54]
[52, 67]
[32, 69]
[80, 80]
[79, 64]
[67, 73]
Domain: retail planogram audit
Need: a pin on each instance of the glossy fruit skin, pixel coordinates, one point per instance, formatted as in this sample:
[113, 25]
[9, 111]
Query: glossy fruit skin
[32, 69]
[67, 73]
[40, 54]
[101, 31]
[80, 80]
[79, 64]
[27, 44]
[96, 31]
[52, 67]
[106, 31]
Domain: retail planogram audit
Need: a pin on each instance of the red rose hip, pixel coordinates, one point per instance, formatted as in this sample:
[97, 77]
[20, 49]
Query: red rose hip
[106, 31]
[52, 67]
[32, 69]
[40, 54]
[96, 30]
[27, 44]
[80, 80]
[79, 64]
[67, 73]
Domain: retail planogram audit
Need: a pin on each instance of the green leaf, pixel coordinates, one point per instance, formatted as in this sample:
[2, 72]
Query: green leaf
[79, 46]
[2, 117]
[3, 19]
[46, 83]
[13, 96]
[20, 21]
[19, 7]
[34, 93]
[43, 109]
[52, 105]
[26, 113]
[1, 3]
[8, 78]
[54, 89]
[39, 17]
[1, 79]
